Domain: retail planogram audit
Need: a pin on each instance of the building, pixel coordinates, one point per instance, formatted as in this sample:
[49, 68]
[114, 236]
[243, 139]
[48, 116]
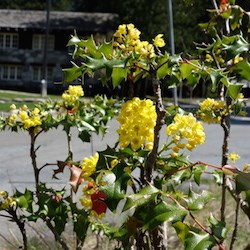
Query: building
[22, 39]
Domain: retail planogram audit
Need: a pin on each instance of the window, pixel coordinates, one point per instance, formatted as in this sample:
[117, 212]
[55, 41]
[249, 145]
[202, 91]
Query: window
[11, 72]
[8, 40]
[38, 74]
[39, 40]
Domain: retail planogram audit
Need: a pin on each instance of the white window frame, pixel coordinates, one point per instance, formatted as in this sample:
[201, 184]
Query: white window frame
[13, 40]
[38, 41]
[11, 72]
[38, 73]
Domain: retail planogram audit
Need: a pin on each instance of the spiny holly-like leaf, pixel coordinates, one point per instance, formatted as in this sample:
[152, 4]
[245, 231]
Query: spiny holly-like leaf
[61, 165]
[75, 177]
[218, 227]
[197, 172]
[91, 47]
[193, 240]
[215, 76]
[164, 212]
[199, 241]
[145, 195]
[72, 74]
[106, 48]
[243, 69]
[187, 68]
[236, 17]
[118, 74]
[24, 200]
[235, 45]
[112, 187]
[197, 201]
[233, 90]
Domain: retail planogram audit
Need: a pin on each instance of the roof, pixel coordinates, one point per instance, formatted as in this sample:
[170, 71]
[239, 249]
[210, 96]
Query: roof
[59, 20]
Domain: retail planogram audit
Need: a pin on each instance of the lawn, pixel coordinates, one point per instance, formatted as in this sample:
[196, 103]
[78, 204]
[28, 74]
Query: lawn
[20, 98]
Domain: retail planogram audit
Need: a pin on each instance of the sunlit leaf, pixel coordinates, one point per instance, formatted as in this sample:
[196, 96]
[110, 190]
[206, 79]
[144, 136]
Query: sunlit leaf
[197, 201]
[164, 212]
[118, 75]
[233, 90]
[145, 195]
[218, 227]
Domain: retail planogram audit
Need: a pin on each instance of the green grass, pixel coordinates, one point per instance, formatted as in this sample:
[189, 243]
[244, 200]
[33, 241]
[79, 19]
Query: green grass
[20, 98]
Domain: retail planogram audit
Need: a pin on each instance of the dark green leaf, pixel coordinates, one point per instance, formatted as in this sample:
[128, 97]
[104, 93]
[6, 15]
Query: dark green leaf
[218, 227]
[145, 195]
[197, 201]
[164, 212]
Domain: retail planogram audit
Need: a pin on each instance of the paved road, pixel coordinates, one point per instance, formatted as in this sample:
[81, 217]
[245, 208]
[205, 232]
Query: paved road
[16, 169]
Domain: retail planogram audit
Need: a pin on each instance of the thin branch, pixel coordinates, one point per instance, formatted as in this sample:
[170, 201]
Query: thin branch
[235, 231]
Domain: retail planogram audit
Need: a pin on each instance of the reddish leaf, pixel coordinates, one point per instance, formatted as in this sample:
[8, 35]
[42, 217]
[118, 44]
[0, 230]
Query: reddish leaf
[75, 177]
[61, 165]
[99, 207]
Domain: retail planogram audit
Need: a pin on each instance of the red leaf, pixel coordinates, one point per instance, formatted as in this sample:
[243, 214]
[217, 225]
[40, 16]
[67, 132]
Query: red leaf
[99, 207]
[224, 2]
[75, 177]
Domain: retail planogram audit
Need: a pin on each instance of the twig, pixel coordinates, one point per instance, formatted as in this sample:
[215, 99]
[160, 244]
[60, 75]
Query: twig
[235, 231]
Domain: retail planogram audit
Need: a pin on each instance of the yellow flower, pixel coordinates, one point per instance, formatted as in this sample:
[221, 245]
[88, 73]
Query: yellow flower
[113, 163]
[12, 106]
[88, 165]
[233, 157]
[137, 121]
[159, 41]
[72, 95]
[186, 132]
[211, 111]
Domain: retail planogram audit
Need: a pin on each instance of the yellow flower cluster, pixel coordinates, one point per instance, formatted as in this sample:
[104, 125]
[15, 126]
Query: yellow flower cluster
[72, 95]
[233, 157]
[87, 190]
[211, 110]
[28, 118]
[5, 201]
[88, 166]
[186, 132]
[127, 39]
[137, 119]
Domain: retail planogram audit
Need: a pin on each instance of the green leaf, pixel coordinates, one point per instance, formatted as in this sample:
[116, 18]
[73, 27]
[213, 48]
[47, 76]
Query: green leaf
[24, 200]
[92, 49]
[163, 67]
[187, 68]
[112, 187]
[197, 172]
[145, 195]
[218, 227]
[193, 239]
[243, 69]
[199, 241]
[164, 212]
[215, 76]
[118, 74]
[235, 45]
[236, 17]
[233, 90]
[72, 74]
[106, 49]
[197, 201]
